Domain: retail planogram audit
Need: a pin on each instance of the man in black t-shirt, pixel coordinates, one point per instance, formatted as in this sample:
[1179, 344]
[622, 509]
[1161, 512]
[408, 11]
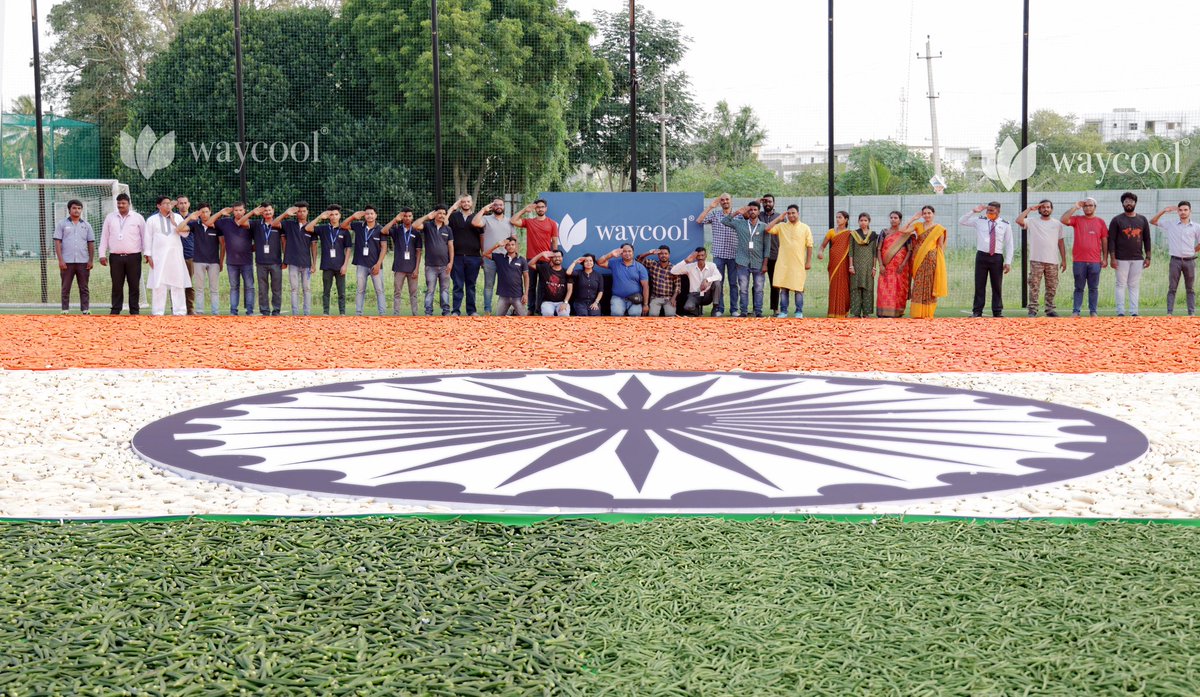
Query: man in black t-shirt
[268, 258]
[1129, 249]
[335, 254]
[553, 288]
[468, 243]
[299, 255]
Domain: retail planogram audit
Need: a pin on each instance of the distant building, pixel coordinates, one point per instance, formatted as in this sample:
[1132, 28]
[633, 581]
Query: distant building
[787, 161]
[1130, 124]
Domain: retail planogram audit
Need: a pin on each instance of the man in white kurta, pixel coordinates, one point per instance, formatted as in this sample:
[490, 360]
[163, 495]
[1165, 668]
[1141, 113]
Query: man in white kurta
[164, 252]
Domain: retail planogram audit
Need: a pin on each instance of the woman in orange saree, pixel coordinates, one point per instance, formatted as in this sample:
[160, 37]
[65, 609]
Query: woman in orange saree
[895, 263]
[838, 241]
[929, 264]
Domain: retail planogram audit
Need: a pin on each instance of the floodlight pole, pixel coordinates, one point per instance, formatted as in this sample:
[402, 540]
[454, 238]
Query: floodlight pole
[1024, 143]
[830, 157]
[240, 96]
[633, 85]
[437, 101]
[43, 252]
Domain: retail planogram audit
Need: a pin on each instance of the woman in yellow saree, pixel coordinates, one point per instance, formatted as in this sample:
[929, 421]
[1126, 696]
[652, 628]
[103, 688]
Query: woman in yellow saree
[838, 241]
[929, 264]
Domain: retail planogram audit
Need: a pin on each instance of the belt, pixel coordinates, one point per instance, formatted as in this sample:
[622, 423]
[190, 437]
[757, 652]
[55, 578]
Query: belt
[1183, 258]
[124, 254]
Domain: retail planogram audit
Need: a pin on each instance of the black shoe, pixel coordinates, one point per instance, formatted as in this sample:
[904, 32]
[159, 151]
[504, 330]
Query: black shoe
[977, 314]
[1051, 313]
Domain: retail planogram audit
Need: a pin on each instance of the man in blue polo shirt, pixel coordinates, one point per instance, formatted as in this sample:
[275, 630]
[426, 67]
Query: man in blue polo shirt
[268, 258]
[438, 240]
[208, 254]
[631, 283]
[335, 254]
[512, 278]
[298, 252]
[239, 255]
[369, 253]
[406, 258]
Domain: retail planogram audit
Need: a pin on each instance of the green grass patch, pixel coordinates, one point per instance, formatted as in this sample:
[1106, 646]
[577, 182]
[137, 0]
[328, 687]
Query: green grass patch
[680, 606]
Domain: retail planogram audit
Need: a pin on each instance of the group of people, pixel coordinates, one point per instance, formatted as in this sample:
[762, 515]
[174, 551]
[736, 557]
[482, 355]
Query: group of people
[887, 273]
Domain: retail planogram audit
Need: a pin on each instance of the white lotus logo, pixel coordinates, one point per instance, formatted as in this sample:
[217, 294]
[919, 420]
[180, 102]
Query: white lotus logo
[1008, 166]
[571, 232]
[150, 153]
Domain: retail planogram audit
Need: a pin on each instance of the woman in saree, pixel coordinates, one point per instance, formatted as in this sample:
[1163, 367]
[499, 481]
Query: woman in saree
[929, 264]
[895, 263]
[838, 241]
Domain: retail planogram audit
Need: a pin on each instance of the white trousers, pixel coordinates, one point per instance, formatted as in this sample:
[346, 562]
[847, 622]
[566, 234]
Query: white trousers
[1129, 281]
[158, 303]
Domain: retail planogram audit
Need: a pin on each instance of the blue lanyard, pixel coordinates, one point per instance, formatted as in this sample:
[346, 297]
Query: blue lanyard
[407, 235]
[333, 236]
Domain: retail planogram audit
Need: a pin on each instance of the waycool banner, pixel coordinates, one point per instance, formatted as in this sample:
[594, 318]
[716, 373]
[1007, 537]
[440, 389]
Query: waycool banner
[601, 222]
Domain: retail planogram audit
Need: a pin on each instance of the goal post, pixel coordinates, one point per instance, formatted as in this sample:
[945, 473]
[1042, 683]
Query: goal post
[29, 211]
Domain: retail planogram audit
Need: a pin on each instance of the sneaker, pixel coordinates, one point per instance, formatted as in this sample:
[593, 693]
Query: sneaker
[1051, 313]
[736, 314]
[718, 313]
[1133, 315]
[1074, 314]
[1093, 314]
[65, 312]
[781, 315]
[1120, 314]
[977, 314]
[86, 312]
[799, 315]
[1034, 314]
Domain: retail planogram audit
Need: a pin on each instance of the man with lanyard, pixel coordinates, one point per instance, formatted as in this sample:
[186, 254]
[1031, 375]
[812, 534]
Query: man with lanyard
[724, 249]
[298, 255]
[75, 245]
[208, 257]
[183, 205]
[369, 253]
[123, 235]
[406, 259]
[512, 279]
[496, 229]
[468, 243]
[753, 245]
[541, 234]
[164, 252]
[438, 241]
[1183, 241]
[664, 286]
[993, 254]
[268, 258]
[767, 215]
[239, 255]
[335, 254]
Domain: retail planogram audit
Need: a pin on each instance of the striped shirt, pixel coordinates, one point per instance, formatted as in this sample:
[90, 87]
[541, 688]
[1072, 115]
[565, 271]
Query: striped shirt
[724, 238]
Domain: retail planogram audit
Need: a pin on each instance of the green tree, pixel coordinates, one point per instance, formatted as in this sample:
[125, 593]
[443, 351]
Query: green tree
[518, 79]
[605, 139]
[884, 167]
[748, 178]
[728, 137]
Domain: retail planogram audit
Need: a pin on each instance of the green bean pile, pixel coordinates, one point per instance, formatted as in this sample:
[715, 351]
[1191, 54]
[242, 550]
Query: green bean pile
[669, 606]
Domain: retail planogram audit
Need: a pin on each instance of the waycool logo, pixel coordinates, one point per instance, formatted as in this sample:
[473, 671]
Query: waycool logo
[638, 441]
[1007, 166]
[598, 223]
[148, 153]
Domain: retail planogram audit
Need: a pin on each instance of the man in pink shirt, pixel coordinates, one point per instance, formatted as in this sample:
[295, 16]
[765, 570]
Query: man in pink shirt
[1089, 252]
[121, 239]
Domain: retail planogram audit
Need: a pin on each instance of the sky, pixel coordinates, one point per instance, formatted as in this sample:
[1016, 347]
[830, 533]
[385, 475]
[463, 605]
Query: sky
[1085, 57]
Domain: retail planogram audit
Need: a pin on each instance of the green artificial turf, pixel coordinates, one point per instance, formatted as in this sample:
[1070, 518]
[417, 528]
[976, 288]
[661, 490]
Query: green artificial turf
[670, 606]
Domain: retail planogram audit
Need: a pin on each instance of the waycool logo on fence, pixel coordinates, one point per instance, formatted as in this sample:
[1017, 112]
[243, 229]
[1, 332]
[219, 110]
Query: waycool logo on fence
[1008, 166]
[149, 153]
[599, 223]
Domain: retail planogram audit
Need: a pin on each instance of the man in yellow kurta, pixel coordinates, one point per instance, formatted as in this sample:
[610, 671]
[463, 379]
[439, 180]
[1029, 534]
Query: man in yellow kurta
[795, 258]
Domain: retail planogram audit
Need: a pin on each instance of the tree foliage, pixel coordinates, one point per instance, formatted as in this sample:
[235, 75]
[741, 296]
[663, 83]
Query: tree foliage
[728, 137]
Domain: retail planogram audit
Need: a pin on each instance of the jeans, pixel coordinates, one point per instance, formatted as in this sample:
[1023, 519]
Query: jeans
[744, 273]
[363, 274]
[988, 267]
[464, 275]
[404, 280]
[82, 273]
[328, 277]
[619, 307]
[125, 269]
[241, 275]
[584, 309]
[728, 269]
[783, 301]
[300, 281]
[552, 309]
[662, 306]
[270, 277]
[207, 277]
[1179, 267]
[1129, 282]
[489, 283]
[1086, 273]
[503, 305]
[694, 306]
[441, 277]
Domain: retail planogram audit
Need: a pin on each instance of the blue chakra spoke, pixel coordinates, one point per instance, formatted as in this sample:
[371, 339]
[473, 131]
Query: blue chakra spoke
[637, 453]
[417, 431]
[859, 430]
[799, 402]
[687, 443]
[423, 407]
[426, 444]
[424, 418]
[727, 398]
[508, 448]
[800, 414]
[492, 401]
[837, 439]
[536, 398]
[583, 394]
[685, 394]
[563, 453]
[634, 394]
[770, 449]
